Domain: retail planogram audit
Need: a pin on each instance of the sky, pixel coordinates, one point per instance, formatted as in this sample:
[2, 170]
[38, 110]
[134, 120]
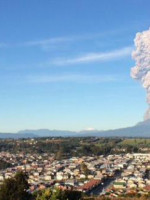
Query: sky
[66, 64]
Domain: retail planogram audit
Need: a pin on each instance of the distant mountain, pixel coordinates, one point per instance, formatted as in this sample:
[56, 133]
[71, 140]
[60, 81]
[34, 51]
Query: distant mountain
[16, 135]
[145, 123]
[48, 133]
[142, 129]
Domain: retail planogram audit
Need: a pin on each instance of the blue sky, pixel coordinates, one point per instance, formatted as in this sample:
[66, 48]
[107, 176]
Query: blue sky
[66, 64]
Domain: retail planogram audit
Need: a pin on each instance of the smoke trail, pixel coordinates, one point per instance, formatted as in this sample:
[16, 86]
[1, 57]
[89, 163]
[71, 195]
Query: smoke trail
[141, 71]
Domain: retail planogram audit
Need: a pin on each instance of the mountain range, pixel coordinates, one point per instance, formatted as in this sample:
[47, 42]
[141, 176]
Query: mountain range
[142, 129]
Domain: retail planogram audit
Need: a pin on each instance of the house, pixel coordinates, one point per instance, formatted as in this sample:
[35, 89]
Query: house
[119, 185]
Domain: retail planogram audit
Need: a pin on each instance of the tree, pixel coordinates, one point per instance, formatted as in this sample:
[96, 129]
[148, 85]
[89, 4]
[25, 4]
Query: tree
[85, 169]
[15, 188]
[73, 195]
[58, 194]
[59, 155]
[44, 195]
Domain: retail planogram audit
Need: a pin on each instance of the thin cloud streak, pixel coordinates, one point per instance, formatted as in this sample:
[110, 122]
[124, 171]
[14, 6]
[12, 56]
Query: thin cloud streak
[77, 78]
[49, 41]
[95, 57]
[40, 43]
[61, 39]
[73, 38]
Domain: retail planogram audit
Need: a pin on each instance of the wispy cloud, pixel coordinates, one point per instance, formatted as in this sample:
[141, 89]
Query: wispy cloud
[56, 41]
[73, 38]
[77, 78]
[79, 37]
[60, 40]
[95, 57]
[43, 43]
[48, 41]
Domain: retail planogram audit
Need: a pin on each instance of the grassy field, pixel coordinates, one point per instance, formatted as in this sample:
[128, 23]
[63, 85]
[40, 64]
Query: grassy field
[135, 142]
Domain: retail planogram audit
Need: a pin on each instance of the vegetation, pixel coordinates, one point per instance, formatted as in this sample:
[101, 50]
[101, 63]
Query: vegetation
[15, 188]
[4, 164]
[85, 169]
[48, 194]
[68, 147]
[119, 198]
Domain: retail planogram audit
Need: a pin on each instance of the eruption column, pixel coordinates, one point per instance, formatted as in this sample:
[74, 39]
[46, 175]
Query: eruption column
[141, 71]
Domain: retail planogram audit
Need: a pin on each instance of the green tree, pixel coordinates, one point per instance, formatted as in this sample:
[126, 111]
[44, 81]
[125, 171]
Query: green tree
[73, 195]
[44, 195]
[85, 169]
[57, 194]
[15, 188]
[58, 155]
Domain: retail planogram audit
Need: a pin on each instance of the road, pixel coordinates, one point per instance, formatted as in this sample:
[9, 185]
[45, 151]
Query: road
[100, 189]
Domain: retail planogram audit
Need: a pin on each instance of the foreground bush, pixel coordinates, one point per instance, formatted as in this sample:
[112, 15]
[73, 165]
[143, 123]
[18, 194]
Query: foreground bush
[15, 188]
[57, 195]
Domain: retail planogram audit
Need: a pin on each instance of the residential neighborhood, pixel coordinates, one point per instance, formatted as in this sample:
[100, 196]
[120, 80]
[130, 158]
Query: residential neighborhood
[94, 175]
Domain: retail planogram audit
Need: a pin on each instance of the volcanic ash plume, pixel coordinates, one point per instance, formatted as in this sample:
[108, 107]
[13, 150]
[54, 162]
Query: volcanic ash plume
[141, 71]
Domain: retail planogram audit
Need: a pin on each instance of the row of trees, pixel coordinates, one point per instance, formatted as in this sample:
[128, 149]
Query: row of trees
[75, 146]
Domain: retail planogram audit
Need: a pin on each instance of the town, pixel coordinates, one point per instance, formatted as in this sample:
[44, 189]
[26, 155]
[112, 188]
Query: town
[111, 175]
